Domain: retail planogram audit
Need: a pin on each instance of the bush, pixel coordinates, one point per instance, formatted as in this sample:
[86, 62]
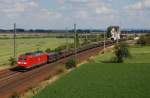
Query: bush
[85, 41]
[71, 64]
[62, 47]
[121, 52]
[144, 40]
[71, 45]
[130, 38]
[48, 50]
[12, 61]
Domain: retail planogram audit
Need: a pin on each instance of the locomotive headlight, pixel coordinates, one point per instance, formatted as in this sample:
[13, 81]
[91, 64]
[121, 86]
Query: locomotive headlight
[19, 62]
[24, 63]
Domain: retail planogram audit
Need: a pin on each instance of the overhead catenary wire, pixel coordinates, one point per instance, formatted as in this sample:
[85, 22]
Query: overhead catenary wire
[6, 26]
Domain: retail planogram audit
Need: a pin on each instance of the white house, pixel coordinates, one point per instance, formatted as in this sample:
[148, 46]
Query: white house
[115, 32]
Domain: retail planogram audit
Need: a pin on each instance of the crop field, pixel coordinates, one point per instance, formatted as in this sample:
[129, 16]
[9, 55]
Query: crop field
[100, 80]
[138, 55]
[32, 42]
[27, 45]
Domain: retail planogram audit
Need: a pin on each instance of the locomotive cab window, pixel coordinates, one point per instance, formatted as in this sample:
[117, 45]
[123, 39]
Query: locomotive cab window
[23, 58]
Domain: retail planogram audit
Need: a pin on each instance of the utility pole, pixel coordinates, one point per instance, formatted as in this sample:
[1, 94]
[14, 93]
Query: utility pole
[86, 35]
[117, 35]
[67, 47]
[75, 43]
[104, 41]
[14, 37]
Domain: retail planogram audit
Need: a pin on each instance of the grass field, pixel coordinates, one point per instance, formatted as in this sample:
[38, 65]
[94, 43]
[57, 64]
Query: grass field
[99, 80]
[138, 55]
[27, 45]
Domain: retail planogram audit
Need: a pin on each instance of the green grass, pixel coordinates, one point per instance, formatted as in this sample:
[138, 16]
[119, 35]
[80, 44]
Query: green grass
[27, 45]
[139, 55]
[98, 80]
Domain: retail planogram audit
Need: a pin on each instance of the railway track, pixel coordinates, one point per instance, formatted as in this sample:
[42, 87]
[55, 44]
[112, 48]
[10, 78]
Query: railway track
[7, 74]
[6, 78]
[17, 82]
[3, 72]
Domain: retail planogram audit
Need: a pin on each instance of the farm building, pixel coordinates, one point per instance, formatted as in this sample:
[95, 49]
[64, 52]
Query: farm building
[115, 32]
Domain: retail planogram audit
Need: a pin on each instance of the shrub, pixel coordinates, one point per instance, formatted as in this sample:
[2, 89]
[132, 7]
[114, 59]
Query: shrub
[71, 45]
[48, 50]
[85, 41]
[144, 40]
[121, 52]
[62, 47]
[12, 61]
[71, 63]
[130, 38]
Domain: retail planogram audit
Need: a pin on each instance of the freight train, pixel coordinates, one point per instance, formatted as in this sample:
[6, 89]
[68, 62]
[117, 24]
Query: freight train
[33, 59]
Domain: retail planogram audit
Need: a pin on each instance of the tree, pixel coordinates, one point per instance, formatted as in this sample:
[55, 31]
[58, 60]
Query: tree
[109, 31]
[121, 52]
[71, 63]
[12, 61]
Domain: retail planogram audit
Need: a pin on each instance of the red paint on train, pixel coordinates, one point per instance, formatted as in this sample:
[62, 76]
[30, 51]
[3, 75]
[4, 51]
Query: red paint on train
[29, 60]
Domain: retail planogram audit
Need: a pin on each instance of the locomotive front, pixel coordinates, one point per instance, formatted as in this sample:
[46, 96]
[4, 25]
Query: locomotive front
[22, 61]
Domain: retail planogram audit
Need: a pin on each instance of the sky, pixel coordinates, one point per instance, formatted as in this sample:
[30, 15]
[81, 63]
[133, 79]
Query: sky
[87, 14]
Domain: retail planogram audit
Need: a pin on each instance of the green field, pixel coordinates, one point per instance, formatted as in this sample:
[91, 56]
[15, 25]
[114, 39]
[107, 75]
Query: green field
[32, 42]
[27, 45]
[97, 80]
[138, 55]
[100, 80]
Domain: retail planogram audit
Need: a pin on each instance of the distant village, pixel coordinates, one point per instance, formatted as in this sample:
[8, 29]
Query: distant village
[69, 31]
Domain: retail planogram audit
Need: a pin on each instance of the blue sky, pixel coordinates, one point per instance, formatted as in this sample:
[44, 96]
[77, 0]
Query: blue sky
[59, 14]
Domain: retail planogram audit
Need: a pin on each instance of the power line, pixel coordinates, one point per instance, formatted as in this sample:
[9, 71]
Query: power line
[5, 26]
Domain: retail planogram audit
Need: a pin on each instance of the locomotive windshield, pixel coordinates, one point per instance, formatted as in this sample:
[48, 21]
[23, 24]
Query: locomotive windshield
[23, 58]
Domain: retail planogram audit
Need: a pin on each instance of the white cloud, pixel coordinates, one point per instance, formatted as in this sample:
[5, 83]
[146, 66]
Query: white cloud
[60, 13]
[140, 5]
[15, 9]
[94, 7]
[102, 10]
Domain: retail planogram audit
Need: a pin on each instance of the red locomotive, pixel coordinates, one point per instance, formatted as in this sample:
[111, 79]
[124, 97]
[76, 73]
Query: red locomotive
[32, 59]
